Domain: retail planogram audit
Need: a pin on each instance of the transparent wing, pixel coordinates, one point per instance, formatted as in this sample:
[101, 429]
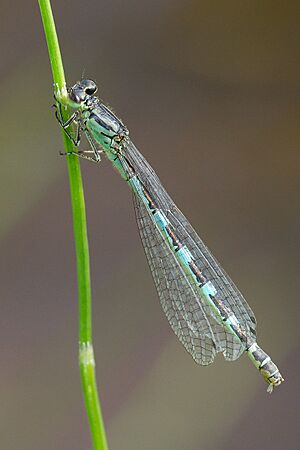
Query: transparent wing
[227, 290]
[191, 320]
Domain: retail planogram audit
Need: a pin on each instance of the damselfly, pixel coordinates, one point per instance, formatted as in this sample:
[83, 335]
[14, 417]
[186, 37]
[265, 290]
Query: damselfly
[203, 306]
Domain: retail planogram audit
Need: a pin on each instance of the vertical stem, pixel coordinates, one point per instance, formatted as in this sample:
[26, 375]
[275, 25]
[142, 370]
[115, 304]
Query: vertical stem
[86, 354]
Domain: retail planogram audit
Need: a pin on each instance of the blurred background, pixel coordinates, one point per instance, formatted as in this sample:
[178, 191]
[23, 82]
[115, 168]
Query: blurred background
[210, 94]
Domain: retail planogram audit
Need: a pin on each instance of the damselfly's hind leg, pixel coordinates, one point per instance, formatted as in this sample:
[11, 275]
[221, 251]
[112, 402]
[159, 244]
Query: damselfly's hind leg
[94, 150]
[84, 154]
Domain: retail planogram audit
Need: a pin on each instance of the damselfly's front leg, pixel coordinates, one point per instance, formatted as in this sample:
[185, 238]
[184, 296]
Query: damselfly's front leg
[67, 123]
[85, 153]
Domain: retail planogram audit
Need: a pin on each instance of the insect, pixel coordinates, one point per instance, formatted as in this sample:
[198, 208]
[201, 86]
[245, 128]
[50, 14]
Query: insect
[205, 309]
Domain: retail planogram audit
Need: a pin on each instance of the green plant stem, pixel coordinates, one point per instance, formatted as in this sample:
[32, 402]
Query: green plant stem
[86, 355]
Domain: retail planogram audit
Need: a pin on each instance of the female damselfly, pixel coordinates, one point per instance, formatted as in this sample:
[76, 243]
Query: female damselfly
[203, 306]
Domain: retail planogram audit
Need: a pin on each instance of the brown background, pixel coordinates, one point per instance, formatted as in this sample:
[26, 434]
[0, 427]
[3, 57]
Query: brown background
[210, 93]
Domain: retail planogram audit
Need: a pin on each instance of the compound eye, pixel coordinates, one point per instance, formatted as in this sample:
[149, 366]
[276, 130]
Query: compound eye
[89, 86]
[75, 95]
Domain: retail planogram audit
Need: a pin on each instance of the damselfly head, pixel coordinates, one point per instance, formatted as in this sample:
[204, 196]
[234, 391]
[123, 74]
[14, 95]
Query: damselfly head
[82, 90]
